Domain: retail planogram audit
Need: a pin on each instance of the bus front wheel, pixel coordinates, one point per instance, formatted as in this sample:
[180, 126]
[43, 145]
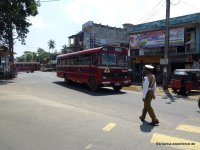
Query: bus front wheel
[117, 88]
[93, 85]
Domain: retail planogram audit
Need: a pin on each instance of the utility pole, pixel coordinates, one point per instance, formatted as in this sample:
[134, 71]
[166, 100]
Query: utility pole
[165, 71]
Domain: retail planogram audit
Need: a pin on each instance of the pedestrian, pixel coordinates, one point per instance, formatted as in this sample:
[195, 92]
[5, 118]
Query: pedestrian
[149, 89]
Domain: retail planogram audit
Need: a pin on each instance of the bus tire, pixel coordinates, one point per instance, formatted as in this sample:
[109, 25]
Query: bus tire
[93, 84]
[66, 80]
[199, 103]
[117, 88]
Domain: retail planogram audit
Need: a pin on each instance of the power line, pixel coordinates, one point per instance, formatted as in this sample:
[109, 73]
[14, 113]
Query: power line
[155, 13]
[150, 12]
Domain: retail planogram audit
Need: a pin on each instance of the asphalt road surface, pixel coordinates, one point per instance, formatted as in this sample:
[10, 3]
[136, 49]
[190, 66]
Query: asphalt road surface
[38, 111]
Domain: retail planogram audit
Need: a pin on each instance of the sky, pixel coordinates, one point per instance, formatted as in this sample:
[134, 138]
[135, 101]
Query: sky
[59, 19]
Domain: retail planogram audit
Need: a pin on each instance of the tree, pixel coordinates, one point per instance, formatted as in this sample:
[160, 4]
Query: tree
[51, 44]
[26, 57]
[42, 54]
[21, 58]
[13, 18]
[34, 57]
[64, 49]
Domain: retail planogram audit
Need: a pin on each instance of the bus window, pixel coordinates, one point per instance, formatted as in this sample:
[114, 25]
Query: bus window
[122, 60]
[108, 59]
[84, 60]
[94, 60]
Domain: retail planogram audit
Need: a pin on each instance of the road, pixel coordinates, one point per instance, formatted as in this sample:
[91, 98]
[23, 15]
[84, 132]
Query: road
[38, 111]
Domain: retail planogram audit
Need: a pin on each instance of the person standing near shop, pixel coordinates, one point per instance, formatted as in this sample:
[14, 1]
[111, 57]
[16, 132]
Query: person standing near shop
[149, 89]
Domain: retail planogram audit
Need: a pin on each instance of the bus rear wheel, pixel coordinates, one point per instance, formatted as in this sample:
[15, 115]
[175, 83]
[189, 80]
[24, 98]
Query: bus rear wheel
[117, 88]
[93, 85]
[66, 80]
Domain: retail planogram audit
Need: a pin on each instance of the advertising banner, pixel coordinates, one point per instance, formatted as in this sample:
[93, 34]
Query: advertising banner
[157, 39]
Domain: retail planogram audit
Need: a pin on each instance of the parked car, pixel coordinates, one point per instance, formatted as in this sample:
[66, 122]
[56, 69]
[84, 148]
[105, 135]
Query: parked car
[47, 69]
[185, 80]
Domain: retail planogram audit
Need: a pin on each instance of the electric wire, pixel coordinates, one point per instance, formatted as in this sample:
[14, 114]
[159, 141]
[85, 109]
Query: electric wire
[151, 12]
[157, 12]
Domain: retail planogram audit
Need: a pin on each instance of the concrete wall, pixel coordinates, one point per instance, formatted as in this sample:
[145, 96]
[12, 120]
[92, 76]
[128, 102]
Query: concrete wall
[104, 35]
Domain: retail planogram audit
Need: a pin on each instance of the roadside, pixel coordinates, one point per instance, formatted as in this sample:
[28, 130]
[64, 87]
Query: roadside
[193, 95]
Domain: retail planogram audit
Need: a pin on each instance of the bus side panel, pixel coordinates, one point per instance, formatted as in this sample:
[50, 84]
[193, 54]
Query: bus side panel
[81, 74]
[60, 74]
[78, 74]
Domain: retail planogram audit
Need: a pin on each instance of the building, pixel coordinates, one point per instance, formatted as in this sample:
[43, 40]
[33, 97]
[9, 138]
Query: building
[147, 43]
[95, 35]
[4, 62]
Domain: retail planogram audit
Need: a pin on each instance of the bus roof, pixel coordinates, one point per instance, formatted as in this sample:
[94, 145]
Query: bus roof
[87, 51]
[26, 63]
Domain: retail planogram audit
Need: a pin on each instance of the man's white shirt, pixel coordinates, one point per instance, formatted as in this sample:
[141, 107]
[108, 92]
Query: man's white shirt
[146, 87]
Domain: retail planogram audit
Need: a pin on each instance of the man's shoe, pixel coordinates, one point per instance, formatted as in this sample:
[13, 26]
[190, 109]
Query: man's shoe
[153, 123]
[141, 119]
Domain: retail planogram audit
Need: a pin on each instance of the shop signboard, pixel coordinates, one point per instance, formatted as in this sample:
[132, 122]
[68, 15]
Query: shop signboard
[157, 39]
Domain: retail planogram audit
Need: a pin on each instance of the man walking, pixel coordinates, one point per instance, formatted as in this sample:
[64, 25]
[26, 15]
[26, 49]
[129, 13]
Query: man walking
[149, 89]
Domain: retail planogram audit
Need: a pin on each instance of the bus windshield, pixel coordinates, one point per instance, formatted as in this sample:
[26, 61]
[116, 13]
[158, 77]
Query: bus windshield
[122, 60]
[108, 59]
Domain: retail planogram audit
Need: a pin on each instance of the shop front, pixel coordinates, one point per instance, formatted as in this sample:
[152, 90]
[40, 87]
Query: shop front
[148, 48]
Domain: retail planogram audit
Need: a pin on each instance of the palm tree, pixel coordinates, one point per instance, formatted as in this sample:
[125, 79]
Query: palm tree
[51, 44]
[64, 49]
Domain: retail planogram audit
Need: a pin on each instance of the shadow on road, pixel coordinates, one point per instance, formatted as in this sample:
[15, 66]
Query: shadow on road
[194, 93]
[84, 89]
[6, 81]
[169, 95]
[145, 127]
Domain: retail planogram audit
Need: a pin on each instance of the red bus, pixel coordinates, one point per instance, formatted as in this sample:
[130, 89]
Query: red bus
[97, 67]
[27, 66]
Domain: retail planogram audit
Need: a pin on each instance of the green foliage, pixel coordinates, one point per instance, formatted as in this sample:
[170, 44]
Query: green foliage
[64, 49]
[13, 17]
[40, 56]
[51, 44]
